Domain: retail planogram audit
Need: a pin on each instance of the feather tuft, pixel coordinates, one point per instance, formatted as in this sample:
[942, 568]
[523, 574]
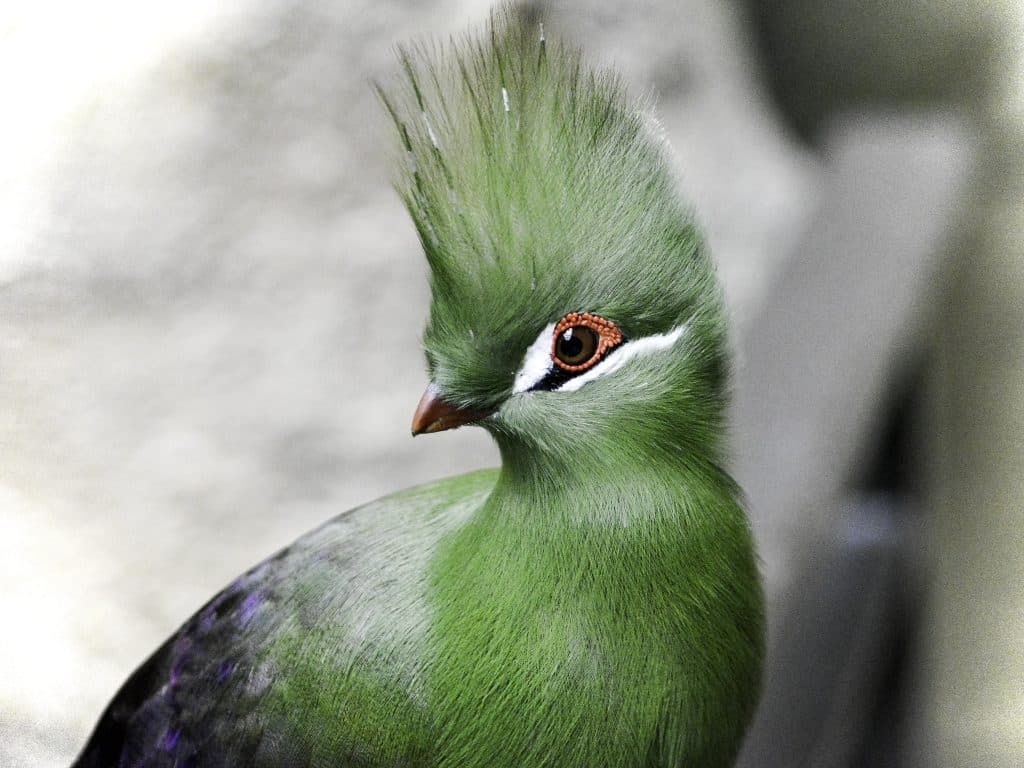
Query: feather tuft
[536, 188]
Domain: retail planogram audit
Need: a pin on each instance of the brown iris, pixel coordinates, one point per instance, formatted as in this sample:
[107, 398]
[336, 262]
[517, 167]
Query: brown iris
[581, 340]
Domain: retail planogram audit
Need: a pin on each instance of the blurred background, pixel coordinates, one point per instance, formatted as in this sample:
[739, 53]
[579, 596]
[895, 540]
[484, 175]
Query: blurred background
[210, 305]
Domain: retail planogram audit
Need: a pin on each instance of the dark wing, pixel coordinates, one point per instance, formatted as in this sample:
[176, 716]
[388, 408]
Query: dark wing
[195, 701]
[310, 658]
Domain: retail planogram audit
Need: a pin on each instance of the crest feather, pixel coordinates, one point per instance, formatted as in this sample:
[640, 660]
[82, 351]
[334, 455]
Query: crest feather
[487, 121]
[537, 188]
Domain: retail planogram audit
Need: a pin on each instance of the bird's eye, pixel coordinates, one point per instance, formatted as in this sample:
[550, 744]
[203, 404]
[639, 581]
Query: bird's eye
[581, 340]
[575, 346]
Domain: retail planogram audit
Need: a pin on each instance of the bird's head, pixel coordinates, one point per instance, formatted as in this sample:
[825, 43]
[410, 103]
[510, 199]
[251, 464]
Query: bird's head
[573, 303]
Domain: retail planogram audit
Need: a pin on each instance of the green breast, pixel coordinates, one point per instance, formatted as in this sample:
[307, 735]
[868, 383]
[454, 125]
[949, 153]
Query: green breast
[558, 642]
[454, 627]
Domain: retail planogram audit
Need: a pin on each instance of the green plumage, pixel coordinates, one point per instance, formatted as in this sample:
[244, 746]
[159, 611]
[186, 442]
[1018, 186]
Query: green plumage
[537, 187]
[596, 601]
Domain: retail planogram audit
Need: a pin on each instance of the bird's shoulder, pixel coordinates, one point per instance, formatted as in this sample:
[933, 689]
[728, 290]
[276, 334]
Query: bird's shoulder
[311, 655]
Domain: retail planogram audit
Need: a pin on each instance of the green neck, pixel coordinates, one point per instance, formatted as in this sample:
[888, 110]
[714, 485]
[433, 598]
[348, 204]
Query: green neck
[617, 595]
[614, 476]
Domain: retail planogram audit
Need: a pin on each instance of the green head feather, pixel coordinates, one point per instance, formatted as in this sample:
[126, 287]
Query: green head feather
[539, 188]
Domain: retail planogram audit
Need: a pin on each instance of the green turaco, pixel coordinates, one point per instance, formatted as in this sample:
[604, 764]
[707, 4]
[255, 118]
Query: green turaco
[593, 603]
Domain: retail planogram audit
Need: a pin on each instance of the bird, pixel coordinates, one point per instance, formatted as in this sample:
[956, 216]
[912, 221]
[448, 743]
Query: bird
[595, 601]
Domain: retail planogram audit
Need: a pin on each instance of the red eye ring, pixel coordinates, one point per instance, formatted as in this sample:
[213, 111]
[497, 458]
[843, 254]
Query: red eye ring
[608, 337]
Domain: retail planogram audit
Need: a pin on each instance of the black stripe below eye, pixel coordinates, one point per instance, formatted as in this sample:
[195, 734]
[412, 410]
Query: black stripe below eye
[556, 377]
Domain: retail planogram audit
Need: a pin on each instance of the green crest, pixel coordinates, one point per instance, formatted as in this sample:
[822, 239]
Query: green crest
[538, 188]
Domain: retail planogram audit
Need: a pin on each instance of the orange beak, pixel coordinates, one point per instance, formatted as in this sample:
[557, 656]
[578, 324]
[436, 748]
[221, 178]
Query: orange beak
[433, 414]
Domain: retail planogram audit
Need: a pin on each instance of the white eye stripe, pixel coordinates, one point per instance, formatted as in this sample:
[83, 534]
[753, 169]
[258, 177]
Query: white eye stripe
[537, 361]
[619, 357]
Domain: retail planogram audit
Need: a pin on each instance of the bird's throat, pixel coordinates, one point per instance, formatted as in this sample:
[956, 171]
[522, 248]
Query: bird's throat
[588, 599]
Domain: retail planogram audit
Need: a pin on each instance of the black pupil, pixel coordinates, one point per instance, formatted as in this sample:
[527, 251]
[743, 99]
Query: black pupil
[577, 345]
[572, 346]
